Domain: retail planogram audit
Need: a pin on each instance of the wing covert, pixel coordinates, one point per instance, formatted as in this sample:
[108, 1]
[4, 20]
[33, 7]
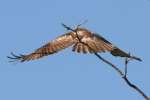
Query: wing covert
[96, 42]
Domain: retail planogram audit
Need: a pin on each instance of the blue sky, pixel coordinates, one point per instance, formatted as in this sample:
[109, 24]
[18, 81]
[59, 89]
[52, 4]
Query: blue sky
[28, 24]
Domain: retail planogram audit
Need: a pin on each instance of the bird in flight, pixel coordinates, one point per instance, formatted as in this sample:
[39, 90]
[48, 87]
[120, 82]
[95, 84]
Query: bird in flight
[82, 40]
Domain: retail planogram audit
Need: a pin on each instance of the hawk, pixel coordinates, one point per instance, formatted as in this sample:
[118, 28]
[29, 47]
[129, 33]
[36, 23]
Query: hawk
[89, 43]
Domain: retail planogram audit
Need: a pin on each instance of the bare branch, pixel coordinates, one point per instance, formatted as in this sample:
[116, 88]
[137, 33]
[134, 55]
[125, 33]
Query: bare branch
[85, 21]
[131, 84]
[123, 75]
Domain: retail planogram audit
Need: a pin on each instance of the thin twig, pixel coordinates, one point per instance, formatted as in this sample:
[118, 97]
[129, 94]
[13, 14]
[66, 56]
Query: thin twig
[109, 63]
[126, 67]
[123, 75]
[131, 84]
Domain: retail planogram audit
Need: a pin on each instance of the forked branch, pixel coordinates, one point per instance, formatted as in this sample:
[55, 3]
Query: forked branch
[122, 74]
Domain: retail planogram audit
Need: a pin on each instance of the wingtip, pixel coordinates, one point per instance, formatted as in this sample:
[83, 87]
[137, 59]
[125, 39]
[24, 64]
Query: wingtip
[14, 57]
[136, 58]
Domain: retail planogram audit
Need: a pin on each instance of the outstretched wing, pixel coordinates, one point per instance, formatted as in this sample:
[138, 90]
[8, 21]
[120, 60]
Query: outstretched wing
[54, 46]
[95, 43]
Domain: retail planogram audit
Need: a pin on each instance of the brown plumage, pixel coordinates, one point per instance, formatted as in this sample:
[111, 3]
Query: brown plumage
[91, 43]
